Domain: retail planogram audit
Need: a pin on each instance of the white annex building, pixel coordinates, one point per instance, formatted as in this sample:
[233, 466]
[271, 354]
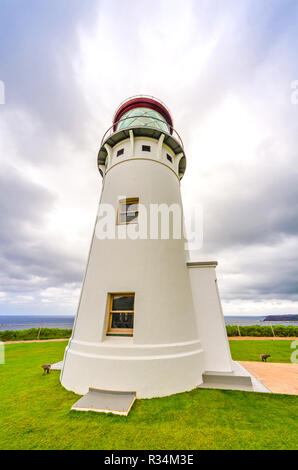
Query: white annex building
[148, 321]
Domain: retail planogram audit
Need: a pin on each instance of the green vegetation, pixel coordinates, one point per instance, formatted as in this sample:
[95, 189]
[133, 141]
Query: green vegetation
[260, 330]
[232, 330]
[251, 350]
[34, 333]
[35, 413]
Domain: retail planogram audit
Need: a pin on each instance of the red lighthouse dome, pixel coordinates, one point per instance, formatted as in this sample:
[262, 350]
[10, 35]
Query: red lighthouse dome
[145, 111]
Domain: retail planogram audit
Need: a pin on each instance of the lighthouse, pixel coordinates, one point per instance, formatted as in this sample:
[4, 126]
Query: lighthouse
[149, 321]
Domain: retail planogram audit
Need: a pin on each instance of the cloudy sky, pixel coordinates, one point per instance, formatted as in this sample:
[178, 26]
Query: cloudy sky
[223, 67]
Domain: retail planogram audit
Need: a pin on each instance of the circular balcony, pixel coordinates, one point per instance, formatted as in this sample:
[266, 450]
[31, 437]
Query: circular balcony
[114, 136]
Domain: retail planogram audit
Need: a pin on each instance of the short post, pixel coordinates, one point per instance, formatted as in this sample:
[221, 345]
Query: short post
[2, 353]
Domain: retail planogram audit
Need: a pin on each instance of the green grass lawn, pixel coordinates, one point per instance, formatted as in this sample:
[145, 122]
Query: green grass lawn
[35, 414]
[251, 350]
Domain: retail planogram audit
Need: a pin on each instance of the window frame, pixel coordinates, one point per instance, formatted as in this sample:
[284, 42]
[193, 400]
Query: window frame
[128, 332]
[146, 148]
[169, 158]
[122, 202]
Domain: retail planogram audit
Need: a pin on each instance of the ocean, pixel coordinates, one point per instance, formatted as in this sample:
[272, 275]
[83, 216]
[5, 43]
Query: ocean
[24, 322]
[254, 320]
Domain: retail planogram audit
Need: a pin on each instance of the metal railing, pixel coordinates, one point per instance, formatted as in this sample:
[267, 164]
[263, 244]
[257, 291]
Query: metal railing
[113, 129]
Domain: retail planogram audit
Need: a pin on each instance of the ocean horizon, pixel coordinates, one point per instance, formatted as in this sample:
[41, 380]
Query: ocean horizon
[24, 322]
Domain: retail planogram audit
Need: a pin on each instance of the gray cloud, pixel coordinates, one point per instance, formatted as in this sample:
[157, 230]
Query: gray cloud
[28, 260]
[38, 41]
[61, 93]
[253, 207]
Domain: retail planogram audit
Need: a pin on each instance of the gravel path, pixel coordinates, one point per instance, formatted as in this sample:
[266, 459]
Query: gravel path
[36, 341]
[261, 338]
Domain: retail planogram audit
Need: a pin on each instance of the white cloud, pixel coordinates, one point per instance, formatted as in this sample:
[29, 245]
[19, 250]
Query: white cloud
[238, 307]
[65, 296]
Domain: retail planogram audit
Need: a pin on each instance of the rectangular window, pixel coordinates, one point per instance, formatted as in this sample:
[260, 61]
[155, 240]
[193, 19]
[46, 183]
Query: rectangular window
[146, 148]
[128, 211]
[169, 158]
[121, 314]
[120, 152]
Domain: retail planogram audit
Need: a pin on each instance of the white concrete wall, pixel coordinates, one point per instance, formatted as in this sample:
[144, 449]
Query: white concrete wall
[133, 150]
[210, 320]
[179, 329]
[165, 355]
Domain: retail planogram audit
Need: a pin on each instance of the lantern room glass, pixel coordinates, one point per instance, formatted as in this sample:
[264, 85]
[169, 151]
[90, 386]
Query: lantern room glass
[143, 117]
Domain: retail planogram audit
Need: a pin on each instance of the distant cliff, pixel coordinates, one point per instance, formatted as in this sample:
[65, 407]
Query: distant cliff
[281, 318]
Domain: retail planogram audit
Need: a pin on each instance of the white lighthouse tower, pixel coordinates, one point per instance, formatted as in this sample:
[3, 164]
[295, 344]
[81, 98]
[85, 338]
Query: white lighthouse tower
[148, 321]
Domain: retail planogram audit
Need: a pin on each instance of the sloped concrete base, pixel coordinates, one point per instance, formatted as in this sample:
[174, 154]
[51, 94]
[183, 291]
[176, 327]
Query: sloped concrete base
[103, 401]
[238, 379]
[57, 366]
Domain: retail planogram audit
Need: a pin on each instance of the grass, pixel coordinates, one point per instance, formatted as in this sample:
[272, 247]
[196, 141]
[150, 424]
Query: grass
[35, 414]
[251, 350]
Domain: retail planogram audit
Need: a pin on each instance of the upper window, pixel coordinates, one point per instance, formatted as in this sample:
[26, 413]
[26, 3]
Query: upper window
[146, 148]
[120, 152]
[128, 211]
[121, 314]
[169, 158]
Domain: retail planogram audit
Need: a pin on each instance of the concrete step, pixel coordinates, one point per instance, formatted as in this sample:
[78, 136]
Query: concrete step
[57, 366]
[219, 378]
[106, 401]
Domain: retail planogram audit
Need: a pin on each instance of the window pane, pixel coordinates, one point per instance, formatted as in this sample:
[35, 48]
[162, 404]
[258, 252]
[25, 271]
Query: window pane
[129, 207]
[123, 302]
[122, 320]
[143, 117]
[127, 218]
[131, 217]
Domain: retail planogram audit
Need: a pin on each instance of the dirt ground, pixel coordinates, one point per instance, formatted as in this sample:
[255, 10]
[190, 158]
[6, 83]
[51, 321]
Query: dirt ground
[36, 341]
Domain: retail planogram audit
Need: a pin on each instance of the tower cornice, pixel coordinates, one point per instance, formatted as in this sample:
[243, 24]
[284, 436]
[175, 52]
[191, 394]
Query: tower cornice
[111, 139]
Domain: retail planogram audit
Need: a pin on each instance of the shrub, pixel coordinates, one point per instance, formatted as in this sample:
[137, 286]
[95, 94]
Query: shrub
[34, 333]
[232, 330]
[263, 330]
